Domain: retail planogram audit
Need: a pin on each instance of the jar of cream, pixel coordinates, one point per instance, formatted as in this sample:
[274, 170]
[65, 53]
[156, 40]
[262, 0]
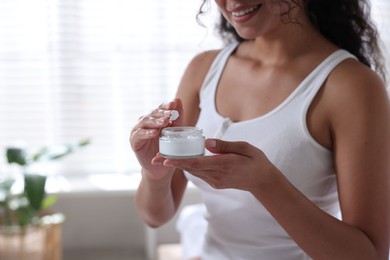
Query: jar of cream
[181, 142]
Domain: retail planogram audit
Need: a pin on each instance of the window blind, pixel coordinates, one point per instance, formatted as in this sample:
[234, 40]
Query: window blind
[88, 69]
[381, 12]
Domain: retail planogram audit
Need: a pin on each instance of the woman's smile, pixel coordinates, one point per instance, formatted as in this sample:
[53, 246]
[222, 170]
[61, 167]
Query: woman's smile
[244, 13]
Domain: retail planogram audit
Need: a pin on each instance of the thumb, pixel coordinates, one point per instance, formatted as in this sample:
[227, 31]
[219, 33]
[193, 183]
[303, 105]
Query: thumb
[220, 147]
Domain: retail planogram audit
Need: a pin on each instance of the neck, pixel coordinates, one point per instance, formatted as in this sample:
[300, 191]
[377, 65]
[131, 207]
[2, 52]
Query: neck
[288, 42]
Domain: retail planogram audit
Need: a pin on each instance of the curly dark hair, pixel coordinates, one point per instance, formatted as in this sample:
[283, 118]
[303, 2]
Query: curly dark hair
[346, 23]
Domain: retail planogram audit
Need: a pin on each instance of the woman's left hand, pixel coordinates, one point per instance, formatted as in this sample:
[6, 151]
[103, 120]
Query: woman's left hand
[237, 165]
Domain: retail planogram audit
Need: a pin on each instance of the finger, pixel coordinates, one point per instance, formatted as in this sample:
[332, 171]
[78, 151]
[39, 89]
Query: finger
[158, 161]
[171, 110]
[205, 163]
[210, 177]
[222, 147]
[159, 113]
[170, 105]
[145, 134]
[152, 122]
[178, 106]
[174, 104]
[149, 126]
[139, 136]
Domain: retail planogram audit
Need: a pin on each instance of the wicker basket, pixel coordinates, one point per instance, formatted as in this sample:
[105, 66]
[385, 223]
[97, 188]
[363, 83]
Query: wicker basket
[38, 242]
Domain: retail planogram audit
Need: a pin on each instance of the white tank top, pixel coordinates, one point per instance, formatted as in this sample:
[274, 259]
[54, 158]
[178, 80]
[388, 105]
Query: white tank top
[239, 227]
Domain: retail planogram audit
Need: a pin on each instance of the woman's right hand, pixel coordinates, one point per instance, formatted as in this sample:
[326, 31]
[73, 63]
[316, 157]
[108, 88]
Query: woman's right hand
[144, 137]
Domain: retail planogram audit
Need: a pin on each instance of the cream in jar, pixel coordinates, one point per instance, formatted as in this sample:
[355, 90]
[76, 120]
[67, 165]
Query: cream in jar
[182, 142]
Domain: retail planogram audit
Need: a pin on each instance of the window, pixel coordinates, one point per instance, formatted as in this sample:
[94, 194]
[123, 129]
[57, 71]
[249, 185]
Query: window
[381, 12]
[88, 69]
[73, 69]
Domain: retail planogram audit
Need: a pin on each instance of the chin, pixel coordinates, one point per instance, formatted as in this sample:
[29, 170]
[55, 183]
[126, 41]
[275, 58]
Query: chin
[247, 35]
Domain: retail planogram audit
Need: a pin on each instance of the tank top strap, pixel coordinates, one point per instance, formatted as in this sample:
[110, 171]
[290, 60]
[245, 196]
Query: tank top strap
[314, 81]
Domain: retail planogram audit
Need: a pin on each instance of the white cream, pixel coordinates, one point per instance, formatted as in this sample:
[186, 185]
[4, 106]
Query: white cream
[174, 115]
[182, 142]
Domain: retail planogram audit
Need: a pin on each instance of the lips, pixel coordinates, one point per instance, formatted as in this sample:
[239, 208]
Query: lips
[246, 11]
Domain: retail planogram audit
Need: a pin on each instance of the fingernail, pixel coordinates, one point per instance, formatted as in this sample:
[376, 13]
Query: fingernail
[212, 143]
[157, 162]
[167, 163]
[160, 121]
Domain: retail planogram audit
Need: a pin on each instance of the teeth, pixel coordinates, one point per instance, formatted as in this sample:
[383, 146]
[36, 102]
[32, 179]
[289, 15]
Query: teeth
[244, 12]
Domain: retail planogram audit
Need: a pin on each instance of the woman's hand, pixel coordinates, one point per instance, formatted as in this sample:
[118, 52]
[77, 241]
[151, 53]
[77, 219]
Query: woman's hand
[144, 136]
[237, 165]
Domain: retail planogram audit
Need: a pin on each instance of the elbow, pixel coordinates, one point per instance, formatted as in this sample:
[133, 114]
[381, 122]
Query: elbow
[153, 218]
[153, 224]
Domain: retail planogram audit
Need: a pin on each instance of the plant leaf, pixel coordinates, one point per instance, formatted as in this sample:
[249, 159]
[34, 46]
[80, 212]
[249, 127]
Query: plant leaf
[84, 142]
[59, 152]
[49, 201]
[50, 153]
[25, 216]
[6, 185]
[16, 155]
[34, 187]
[56, 152]
[39, 154]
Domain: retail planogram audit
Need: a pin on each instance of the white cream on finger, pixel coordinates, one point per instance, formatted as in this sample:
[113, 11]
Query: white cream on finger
[174, 115]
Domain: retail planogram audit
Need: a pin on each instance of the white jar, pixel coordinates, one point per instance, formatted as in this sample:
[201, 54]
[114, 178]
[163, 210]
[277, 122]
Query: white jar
[181, 142]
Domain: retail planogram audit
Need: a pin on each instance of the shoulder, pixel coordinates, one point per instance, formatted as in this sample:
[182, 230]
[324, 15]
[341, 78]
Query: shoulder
[201, 63]
[358, 110]
[351, 72]
[197, 70]
[354, 87]
[192, 82]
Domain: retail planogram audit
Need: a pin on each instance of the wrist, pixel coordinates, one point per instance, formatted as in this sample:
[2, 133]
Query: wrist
[270, 181]
[157, 178]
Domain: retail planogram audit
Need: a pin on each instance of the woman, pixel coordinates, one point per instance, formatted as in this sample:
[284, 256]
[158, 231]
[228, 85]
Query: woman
[298, 134]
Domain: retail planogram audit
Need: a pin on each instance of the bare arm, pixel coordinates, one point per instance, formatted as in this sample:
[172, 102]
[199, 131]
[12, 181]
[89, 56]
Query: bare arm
[359, 123]
[161, 189]
[357, 109]
[157, 200]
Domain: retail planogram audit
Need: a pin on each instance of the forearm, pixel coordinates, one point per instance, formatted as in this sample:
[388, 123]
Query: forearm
[320, 235]
[154, 200]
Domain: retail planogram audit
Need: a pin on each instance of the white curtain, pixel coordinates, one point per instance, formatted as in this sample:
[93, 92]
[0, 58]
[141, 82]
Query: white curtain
[73, 69]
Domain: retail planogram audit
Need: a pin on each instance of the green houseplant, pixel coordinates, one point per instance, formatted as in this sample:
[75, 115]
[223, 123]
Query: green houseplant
[25, 216]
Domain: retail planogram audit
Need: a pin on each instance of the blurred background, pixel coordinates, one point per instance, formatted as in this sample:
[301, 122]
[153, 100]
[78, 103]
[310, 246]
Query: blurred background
[73, 69]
